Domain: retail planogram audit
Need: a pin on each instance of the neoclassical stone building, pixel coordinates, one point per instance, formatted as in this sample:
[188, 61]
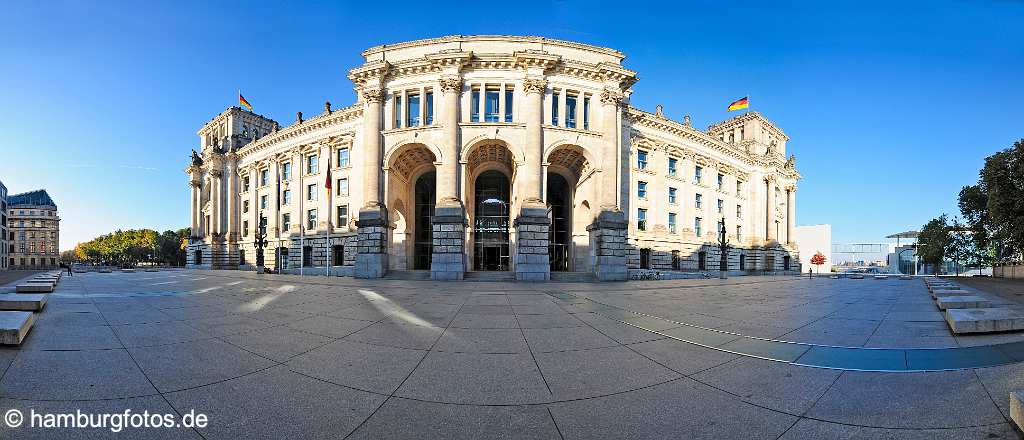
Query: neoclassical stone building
[491, 153]
[34, 228]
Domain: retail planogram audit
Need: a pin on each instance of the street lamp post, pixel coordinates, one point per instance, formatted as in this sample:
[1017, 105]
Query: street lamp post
[261, 242]
[723, 250]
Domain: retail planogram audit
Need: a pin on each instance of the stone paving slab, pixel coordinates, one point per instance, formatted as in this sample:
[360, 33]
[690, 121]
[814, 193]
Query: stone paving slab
[984, 320]
[962, 302]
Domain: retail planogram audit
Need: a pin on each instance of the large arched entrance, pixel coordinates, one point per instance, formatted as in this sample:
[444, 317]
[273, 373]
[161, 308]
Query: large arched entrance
[568, 170]
[559, 196]
[491, 221]
[411, 196]
[424, 214]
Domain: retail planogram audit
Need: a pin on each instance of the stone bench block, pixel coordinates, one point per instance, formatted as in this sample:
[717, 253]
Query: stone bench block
[24, 302]
[34, 288]
[962, 302]
[881, 277]
[994, 319]
[1017, 408]
[14, 326]
[937, 293]
[906, 277]
[856, 277]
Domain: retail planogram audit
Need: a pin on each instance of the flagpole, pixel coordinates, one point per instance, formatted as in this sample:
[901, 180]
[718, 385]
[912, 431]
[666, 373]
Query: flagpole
[302, 230]
[330, 247]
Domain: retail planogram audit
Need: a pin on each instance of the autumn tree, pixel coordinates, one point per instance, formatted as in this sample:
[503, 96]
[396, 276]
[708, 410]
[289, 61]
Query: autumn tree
[818, 259]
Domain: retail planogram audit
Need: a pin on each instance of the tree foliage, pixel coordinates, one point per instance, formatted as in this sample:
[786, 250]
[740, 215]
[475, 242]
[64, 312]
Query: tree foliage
[130, 247]
[1002, 182]
[818, 259]
[933, 241]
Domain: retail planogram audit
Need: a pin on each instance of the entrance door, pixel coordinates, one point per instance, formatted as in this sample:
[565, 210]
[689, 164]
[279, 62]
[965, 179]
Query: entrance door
[491, 222]
[560, 237]
[281, 259]
[423, 238]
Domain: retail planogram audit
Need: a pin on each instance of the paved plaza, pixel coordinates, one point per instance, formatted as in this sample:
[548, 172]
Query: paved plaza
[280, 356]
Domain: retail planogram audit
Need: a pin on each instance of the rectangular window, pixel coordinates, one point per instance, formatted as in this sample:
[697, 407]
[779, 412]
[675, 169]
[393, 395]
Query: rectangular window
[286, 222]
[342, 216]
[554, 108]
[311, 164]
[311, 219]
[739, 233]
[508, 104]
[414, 111]
[672, 195]
[474, 106]
[307, 256]
[430, 108]
[672, 166]
[311, 192]
[286, 197]
[263, 201]
[641, 190]
[696, 226]
[286, 171]
[641, 219]
[491, 106]
[672, 222]
[570, 110]
[264, 177]
[245, 184]
[245, 228]
[338, 255]
[698, 173]
[398, 111]
[245, 206]
[721, 182]
[586, 113]
[739, 211]
[343, 187]
[641, 159]
[721, 206]
[343, 157]
[698, 200]
[739, 187]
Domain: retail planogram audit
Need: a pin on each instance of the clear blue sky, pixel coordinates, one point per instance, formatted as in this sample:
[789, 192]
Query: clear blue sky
[891, 107]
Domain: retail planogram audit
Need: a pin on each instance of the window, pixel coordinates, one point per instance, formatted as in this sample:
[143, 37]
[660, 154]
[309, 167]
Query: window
[739, 187]
[739, 233]
[245, 206]
[721, 182]
[474, 106]
[721, 206]
[343, 157]
[264, 177]
[641, 219]
[672, 195]
[675, 260]
[698, 200]
[672, 166]
[338, 255]
[645, 258]
[641, 190]
[641, 159]
[698, 172]
[286, 222]
[586, 113]
[398, 111]
[721, 227]
[245, 228]
[343, 187]
[413, 118]
[311, 164]
[508, 104]
[702, 260]
[307, 256]
[554, 108]
[342, 217]
[245, 184]
[739, 211]
[491, 106]
[311, 192]
[696, 226]
[672, 222]
[286, 197]
[263, 201]
[430, 112]
[286, 171]
[311, 219]
[570, 110]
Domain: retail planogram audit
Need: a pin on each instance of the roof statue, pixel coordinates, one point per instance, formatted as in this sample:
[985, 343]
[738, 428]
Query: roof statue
[196, 160]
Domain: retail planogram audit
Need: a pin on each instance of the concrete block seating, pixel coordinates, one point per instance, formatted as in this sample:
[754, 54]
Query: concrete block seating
[127, 270]
[22, 302]
[30, 287]
[856, 276]
[14, 326]
[906, 277]
[1017, 408]
[152, 270]
[962, 302]
[881, 277]
[104, 270]
[984, 320]
[938, 293]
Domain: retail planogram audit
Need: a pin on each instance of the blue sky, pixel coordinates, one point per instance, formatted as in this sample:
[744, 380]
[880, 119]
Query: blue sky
[891, 106]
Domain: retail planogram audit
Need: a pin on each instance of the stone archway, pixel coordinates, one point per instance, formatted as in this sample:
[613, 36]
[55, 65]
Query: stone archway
[408, 165]
[489, 195]
[568, 166]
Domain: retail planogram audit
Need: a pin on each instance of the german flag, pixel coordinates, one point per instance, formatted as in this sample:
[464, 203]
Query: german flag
[741, 103]
[243, 102]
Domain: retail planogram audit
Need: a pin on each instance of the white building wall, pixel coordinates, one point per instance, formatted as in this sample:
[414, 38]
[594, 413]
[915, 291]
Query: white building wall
[811, 239]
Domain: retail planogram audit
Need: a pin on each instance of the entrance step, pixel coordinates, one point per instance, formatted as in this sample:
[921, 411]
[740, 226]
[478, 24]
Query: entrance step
[962, 302]
[407, 275]
[490, 276]
[987, 320]
[14, 326]
[573, 277]
[22, 302]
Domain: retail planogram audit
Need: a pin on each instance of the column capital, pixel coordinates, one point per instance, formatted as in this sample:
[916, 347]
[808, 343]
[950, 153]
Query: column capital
[195, 183]
[535, 85]
[612, 96]
[215, 173]
[450, 84]
[373, 95]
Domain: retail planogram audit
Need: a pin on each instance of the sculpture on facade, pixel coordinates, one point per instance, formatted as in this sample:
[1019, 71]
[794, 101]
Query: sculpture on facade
[196, 160]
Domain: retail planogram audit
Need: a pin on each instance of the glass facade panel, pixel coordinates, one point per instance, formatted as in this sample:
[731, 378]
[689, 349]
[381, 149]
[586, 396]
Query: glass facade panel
[475, 106]
[554, 108]
[570, 111]
[430, 108]
[414, 111]
[508, 105]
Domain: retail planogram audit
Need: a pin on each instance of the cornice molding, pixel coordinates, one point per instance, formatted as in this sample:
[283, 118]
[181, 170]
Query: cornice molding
[319, 122]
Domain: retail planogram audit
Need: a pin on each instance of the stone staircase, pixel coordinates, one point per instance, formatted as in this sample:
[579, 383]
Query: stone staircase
[407, 275]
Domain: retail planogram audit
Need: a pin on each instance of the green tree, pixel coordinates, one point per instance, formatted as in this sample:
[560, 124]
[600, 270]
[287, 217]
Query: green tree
[959, 245]
[1002, 181]
[973, 203]
[932, 242]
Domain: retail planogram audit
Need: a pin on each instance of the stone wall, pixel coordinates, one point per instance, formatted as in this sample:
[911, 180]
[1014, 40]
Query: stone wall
[532, 237]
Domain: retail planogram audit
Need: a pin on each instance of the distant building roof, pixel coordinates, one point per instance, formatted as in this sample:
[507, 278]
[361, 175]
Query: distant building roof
[38, 197]
[907, 234]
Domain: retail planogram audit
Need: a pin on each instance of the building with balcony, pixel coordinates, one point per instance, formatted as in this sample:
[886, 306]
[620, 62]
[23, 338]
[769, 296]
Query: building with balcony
[491, 153]
[34, 231]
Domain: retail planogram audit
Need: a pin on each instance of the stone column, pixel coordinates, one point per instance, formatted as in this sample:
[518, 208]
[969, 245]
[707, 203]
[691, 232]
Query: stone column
[215, 204]
[447, 260]
[232, 211]
[790, 212]
[532, 262]
[771, 234]
[608, 231]
[196, 191]
[372, 256]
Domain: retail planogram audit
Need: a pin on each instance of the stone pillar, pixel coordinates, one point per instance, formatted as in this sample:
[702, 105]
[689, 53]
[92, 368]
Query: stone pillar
[771, 233]
[790, 212]
[215, 204]
[448, 257]
[609, 229]
[196, 191]
[232, 210]
[532, 262]
[373, 234]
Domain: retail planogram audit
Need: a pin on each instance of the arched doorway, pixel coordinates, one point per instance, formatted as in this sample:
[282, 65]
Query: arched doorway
[424, 213]
[559, 196]
[491, 221]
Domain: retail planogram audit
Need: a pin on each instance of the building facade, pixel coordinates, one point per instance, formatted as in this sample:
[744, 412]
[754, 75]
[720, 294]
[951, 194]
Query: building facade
[491, 153]
[4, 234]
[812, 239]
[34, 230]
